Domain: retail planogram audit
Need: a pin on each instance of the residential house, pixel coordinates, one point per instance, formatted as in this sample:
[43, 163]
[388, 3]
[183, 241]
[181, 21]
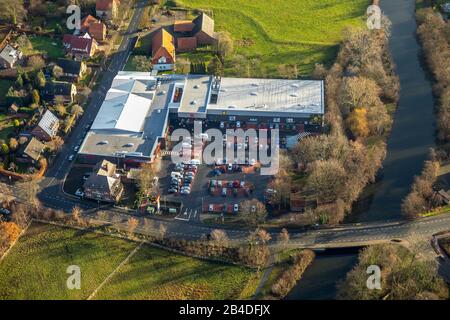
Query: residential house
[163, 50]
[72, 69]
[191, 34]
[30, 151]
[104, 184]
[59, 91]
[107, 9]
[183, 26]
[47, 127]
[9, 56]
[80, 47]
[204, 30]
[186, 44]
[94, 27]
[13, 109]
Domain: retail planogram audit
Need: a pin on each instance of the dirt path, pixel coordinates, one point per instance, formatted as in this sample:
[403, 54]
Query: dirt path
[132, 253]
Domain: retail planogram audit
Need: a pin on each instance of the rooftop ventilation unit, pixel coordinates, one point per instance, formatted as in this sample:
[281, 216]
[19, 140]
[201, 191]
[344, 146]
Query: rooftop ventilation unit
[295, 85]
[129, 145]
[193, 102]
[254, 93]
[196, 86]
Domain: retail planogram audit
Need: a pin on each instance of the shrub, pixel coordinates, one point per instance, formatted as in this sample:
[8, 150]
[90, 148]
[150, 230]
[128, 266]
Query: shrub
[289, 278]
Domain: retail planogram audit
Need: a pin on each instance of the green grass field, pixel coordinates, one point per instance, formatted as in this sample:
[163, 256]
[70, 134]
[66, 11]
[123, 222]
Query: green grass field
[302, 32]
[36, 269]
[158, 274]
[43, 44]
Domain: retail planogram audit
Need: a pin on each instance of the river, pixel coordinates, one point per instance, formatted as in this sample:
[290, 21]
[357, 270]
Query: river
[413, 131]
[413, 134]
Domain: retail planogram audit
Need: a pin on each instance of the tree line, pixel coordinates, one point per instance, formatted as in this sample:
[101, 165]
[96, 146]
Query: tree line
[337, 165]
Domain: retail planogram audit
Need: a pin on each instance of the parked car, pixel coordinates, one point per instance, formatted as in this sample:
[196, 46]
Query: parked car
[216, 172]
[236, 208]
[172, 190]
[76, 148]
[79, 193]
[175, 174]
[224, 192]
[222, 124]
[5, 211]
[70, 158]
[238, 124]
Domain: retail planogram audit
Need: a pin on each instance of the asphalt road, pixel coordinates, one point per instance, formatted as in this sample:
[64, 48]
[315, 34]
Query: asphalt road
[52, 183]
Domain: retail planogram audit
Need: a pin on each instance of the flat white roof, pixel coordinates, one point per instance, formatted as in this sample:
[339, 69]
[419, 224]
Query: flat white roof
[131, 119]
[196, 95]
[269, 95]
[127, 103]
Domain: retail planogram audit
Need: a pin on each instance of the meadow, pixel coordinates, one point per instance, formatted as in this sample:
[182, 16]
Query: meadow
[45, 45]
[36, 268]
[293, 32]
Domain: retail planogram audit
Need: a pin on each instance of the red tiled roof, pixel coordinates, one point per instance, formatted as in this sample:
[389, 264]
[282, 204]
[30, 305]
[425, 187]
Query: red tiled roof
[86, 22]
[78, 44]
[104, 5]
[187, 43]
[183, 26]
[163, 39]
[97, 30]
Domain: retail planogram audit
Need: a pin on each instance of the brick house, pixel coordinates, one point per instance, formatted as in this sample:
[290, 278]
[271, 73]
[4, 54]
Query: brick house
[94, 27]
[30, 151]
[9, 56]
[107, 9]
[72, 69]
[191, 34]
[47, 128]
[163, 50]
[80, 47]
[59, 91]
[103, 184]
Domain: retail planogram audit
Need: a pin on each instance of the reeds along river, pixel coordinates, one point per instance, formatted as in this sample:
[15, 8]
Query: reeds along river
[413, 134]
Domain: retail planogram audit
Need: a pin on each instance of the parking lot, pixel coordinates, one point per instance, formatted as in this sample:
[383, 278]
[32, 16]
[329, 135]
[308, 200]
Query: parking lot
[211, 193]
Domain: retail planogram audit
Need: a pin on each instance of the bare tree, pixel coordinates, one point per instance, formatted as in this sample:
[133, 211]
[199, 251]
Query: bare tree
[12, 10]
[132, 224]
[253, 211]
[220, 237]
[76, 215]
[283, 237]
[162, 231]
[225, 45]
